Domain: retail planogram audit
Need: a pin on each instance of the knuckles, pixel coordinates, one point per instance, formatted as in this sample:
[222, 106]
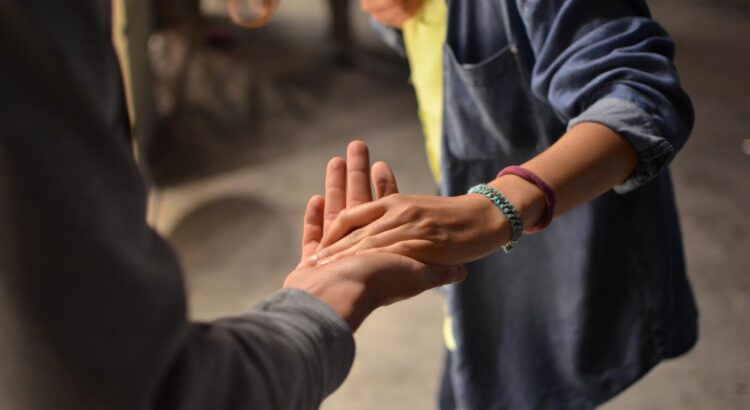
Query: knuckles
[393, 199]
[429, 228]
[408, 212]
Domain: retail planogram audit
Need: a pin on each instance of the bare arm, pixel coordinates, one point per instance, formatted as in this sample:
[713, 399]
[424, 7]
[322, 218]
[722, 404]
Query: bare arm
[607, 71]
[584, 163]
[587, 161]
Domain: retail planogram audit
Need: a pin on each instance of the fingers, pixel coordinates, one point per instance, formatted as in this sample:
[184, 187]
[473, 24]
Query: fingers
[348, 187]
[363, 241]
[335, 195]
[357, 171]
[312, 229]
[383, 180]
[353, 218]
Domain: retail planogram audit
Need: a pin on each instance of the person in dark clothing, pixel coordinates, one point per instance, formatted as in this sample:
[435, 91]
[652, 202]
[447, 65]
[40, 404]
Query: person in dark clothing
[92, 301]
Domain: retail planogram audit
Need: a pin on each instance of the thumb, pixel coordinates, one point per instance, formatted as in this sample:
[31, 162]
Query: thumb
[312, 228]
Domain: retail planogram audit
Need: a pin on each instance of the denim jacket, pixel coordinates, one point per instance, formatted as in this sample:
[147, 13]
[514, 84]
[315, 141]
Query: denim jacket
[575, 314]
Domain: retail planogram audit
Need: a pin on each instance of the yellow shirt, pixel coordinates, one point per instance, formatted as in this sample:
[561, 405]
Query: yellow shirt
[424, 36]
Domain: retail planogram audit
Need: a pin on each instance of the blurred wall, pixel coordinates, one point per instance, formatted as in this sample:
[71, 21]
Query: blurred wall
[132, 23]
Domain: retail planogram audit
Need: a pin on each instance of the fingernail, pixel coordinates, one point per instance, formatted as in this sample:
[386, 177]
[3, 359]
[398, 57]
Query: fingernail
[313, 259]
[324, 261]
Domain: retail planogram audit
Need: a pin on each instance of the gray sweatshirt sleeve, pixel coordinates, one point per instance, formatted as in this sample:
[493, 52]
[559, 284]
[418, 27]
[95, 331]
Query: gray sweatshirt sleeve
[260, 364]
[92, 301]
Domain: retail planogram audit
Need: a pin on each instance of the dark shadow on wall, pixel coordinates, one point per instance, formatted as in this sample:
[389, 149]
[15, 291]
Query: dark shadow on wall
[234, 250]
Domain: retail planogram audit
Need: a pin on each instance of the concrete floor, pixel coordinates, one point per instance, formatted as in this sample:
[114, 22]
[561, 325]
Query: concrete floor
[249, 143]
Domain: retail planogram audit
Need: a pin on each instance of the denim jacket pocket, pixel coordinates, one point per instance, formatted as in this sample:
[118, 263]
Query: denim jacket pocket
[487, 114]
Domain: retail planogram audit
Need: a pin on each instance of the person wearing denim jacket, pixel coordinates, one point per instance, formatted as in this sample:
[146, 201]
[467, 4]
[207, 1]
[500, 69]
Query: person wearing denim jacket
[577, 313]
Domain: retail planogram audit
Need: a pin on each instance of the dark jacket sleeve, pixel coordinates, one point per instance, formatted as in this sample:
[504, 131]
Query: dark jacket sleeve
[92, 301]
[609, 62]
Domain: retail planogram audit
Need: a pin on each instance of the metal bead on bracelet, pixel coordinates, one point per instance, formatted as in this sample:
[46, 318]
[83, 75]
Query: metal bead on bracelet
[507, 208]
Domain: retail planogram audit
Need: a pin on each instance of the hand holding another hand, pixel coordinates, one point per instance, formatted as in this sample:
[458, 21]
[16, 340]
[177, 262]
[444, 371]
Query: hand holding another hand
[431, 229]
[356, 285]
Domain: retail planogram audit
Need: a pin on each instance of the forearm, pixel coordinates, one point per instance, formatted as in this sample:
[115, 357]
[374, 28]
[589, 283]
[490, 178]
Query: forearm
[611, 65]
[289, 352]
[587, 161]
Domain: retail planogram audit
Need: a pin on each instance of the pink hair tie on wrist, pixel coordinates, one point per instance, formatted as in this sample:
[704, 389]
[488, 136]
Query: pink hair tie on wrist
[549, 195]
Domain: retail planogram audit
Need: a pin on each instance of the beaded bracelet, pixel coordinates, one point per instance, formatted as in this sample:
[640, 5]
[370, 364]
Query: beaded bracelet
[516, 225]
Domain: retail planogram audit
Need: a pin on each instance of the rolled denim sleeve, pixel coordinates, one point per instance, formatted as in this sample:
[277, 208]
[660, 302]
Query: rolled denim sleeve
[610, 63]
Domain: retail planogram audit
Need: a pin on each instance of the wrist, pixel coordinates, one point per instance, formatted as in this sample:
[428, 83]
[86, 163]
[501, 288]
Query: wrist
[525, 197]
[347, 298]
[495, 227]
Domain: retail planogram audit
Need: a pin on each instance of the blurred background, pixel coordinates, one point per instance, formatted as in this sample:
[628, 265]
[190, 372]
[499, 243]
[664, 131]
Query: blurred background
[235, 127]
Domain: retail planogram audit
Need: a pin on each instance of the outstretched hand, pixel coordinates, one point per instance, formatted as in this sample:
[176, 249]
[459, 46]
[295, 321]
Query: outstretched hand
[347, 184]
[431, 229]
[356, 285]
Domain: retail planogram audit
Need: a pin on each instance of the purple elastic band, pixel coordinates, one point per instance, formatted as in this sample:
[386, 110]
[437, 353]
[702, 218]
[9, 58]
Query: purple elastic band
[549, 195]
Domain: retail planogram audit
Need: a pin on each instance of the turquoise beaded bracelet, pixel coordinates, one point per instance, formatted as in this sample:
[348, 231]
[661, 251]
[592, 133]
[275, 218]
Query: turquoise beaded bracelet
[516, 225]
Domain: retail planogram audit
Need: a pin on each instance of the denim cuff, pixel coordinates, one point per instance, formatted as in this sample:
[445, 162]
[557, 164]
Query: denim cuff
[632, 123]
